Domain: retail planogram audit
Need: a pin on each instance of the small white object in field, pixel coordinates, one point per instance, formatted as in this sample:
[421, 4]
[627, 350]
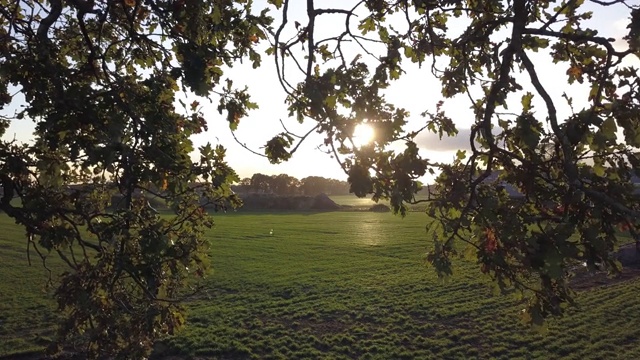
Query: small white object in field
[271, 232]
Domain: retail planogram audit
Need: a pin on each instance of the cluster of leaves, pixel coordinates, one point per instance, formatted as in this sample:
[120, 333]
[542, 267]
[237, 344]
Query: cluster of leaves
[498, 200]
[100, 79]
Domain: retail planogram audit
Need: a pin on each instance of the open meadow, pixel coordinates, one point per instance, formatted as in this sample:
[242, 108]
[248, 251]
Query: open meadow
[338, 285]
[350, 202]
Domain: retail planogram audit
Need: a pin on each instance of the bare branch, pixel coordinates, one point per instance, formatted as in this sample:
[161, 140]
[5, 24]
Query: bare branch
[245, 145]
[310, 32]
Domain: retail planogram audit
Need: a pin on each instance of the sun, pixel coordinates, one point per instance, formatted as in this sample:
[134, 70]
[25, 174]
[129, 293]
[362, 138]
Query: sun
[363, 134]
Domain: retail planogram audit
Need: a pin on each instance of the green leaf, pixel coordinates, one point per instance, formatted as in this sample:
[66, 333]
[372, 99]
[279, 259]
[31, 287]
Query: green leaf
[276, 148]
[609, 128]
[408, 52]
[593, 92]
[330, 101]
[553, 261]
[367, 25]
[526, 102]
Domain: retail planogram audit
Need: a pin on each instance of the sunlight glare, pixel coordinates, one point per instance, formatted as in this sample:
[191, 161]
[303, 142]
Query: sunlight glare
[363, 134]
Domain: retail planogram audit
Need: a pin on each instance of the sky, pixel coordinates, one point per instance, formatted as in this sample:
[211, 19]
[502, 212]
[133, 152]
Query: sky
[417, 91]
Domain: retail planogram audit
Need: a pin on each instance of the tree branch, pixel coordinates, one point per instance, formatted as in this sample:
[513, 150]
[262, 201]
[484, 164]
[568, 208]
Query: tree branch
[567, 151]
[310, 31]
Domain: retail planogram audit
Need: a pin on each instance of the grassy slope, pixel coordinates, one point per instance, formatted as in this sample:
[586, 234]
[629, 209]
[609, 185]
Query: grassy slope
[344, 285]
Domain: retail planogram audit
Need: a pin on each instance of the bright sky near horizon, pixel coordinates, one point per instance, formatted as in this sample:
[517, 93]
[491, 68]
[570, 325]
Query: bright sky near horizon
[416, 91]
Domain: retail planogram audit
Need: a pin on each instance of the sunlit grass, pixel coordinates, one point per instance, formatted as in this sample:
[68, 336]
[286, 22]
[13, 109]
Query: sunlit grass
[356, 203]
[352, 200]
[341, 285]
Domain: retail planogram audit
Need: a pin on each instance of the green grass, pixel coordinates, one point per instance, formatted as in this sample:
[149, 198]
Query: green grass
[354, 201]
[342, 285]
[26, 302]
[366, 203]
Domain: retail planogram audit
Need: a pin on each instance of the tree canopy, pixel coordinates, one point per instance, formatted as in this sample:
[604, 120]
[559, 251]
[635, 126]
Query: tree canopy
[100, 80]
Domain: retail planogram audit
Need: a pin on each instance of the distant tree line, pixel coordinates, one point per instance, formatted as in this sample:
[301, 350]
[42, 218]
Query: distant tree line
[284, 184]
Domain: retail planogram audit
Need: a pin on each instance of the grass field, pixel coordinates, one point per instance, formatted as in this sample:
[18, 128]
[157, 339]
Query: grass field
[366, 203]
[341, 285]
[354, 201]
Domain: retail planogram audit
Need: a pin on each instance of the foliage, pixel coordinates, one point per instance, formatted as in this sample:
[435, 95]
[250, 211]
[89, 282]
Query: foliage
[582, 163]
[100, 80]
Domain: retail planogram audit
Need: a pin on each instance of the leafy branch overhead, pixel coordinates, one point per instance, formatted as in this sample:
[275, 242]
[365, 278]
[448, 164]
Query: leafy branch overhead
[583, 163]
[101, 81]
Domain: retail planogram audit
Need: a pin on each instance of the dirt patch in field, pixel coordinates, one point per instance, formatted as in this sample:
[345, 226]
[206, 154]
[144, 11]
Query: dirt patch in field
[261, 202]
[585, 280]
[627, 255]
[380, 208]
